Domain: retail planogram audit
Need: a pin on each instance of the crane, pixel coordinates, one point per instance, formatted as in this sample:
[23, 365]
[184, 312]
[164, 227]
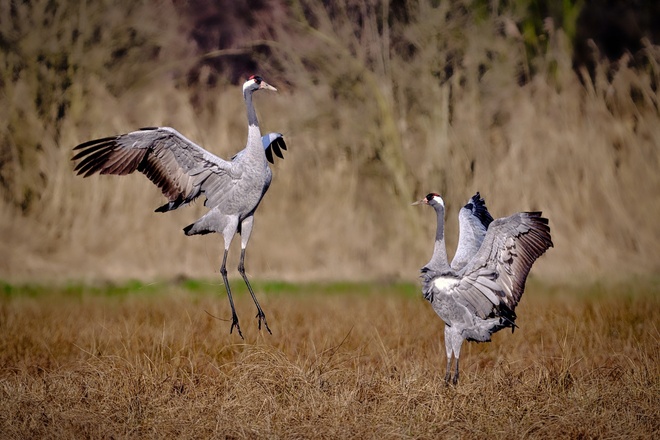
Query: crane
[183, 171]
[479, 298]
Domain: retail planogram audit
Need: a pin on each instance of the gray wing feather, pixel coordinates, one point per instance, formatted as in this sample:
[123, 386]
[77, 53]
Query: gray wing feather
[475, 291]
[509, 249]
[178, 166]
[217, 188]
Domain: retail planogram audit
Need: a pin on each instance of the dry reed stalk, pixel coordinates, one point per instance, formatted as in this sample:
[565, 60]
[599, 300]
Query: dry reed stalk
[375, 112]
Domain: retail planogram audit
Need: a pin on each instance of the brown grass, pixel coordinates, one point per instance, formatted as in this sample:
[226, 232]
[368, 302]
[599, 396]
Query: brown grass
[345, 361]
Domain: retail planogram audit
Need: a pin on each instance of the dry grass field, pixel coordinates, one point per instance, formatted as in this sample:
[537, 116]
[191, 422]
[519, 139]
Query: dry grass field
[380, 103]
[344, 361]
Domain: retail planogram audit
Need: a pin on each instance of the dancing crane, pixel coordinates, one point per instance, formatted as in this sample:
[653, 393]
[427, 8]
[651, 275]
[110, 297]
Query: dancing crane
[479, 299]
[183, 171]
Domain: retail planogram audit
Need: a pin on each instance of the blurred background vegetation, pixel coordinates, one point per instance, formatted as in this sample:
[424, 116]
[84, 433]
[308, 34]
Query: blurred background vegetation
[539, 105]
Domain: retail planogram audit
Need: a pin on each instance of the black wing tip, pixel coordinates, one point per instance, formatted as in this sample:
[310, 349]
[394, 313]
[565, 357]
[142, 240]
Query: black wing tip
[507, 317]
[275, 147]
[164, 208]
[93, 143]
[478, 207]
[278, 151]
[269, 154]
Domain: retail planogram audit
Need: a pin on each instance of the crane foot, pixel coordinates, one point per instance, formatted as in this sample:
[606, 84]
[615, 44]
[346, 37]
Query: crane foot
[234, 323]
[262, 317]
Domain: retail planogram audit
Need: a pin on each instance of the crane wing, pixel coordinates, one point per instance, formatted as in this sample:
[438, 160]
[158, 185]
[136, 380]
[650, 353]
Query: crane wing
[477, 291]
[273, 143]
[500, 268]
[473, 220]
[178, 166]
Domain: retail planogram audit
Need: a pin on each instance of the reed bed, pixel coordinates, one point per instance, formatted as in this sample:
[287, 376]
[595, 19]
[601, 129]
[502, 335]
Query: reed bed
[379, 106]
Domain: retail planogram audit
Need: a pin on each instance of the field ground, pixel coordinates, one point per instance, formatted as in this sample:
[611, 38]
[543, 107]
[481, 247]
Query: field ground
[344, 361]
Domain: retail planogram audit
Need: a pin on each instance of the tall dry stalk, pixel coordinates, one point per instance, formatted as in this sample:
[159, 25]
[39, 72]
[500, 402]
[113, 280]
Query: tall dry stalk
[380, 104]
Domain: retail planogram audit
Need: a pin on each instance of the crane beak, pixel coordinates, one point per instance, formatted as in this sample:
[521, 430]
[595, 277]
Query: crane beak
[265, 86]
[420, 202]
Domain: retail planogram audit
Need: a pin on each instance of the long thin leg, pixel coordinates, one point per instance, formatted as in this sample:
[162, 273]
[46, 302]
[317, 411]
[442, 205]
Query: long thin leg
[260, 313]
[246, 231]
[448, 374]
[453, 342]
[234, 317]
[457, 341]
[448, 342]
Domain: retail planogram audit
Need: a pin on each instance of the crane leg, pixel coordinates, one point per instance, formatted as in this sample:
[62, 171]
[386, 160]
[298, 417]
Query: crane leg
[457, 341]
[448, 350]
[234, 317]
[448, 374]
[260, 313]
[453, 342]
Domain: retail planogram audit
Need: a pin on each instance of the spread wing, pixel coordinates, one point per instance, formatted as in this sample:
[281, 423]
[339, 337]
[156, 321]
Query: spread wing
[473, 220]
[499, 269]
[179, 167]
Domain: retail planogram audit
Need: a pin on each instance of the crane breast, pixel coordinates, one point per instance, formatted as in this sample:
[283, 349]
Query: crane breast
[444, 284]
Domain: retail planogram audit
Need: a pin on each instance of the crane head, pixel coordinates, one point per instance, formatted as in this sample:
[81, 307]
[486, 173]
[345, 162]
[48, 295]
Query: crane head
[431, 199]
[255, 82]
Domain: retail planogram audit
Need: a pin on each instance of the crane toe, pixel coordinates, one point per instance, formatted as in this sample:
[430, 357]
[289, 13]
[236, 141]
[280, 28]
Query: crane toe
[234, 323]
[261, 316]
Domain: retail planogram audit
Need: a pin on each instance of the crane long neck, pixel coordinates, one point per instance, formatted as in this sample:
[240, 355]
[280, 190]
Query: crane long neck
[439, 259]
[254, 133]
[251, 113]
